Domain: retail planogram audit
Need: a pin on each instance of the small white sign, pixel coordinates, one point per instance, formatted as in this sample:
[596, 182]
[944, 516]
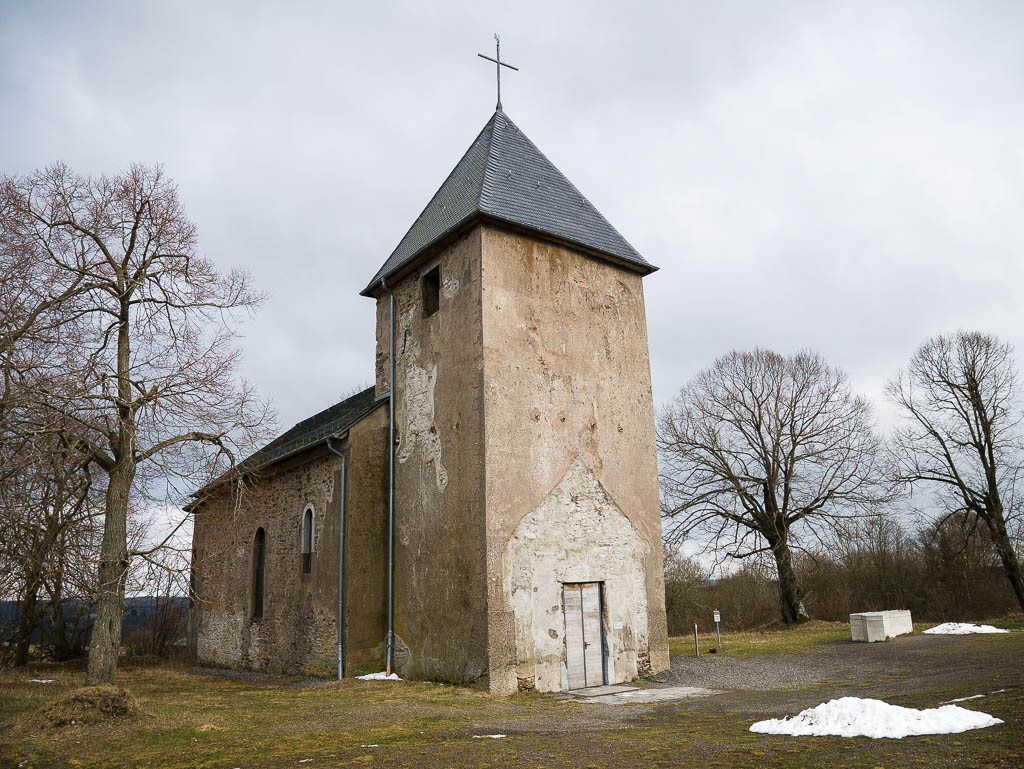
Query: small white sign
[718, 617]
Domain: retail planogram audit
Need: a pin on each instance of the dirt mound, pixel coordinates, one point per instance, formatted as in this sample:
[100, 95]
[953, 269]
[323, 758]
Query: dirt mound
[91, 705]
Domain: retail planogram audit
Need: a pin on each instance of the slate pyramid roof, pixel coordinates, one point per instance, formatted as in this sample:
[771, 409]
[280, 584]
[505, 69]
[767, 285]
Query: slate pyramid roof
[504, 177]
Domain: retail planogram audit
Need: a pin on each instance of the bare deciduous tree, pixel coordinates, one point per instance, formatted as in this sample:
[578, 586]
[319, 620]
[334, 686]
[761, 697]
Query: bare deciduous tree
[962, 434]
[760, 449]
[147, 330]
[46, 501]
[35, 311]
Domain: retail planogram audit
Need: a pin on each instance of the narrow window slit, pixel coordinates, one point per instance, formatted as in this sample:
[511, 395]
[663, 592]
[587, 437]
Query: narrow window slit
[307, 540]
[431, 285]
[258, 558]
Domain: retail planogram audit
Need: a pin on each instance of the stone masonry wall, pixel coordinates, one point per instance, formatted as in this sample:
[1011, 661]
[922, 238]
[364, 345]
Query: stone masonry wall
[298, 630]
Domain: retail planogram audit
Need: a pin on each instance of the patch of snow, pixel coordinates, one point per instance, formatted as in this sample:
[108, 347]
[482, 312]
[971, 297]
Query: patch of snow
[40, 680]
[381, 676]
[488, 736]
[962, 628]
[373, 745]
[304, 760]
[963, 699]
[858, 717]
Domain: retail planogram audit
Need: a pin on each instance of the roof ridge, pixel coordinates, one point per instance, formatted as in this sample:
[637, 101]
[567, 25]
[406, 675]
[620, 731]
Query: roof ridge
[487, 182]
[585, 200]
[423, 214]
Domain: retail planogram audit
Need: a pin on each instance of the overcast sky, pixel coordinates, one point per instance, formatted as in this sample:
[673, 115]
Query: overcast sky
[847, 177]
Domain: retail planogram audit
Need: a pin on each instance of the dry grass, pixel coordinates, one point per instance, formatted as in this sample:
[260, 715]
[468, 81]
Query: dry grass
[212, 723]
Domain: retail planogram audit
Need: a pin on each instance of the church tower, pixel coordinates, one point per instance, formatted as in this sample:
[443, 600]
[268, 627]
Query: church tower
[527, 530]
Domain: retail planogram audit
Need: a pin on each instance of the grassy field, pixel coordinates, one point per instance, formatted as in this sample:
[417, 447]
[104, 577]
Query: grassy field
[785, 640]
[771, 641]
[210, 722]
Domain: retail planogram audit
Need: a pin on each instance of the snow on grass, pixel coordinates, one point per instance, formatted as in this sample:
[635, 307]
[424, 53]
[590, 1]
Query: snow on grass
[963, 699]
[962, 628]
[858, 717]
[40, 680]
[488, 736]
[381, 676]
[973, 697]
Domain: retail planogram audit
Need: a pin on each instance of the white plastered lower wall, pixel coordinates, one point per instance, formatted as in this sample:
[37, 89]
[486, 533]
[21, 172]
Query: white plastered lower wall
[577, 534]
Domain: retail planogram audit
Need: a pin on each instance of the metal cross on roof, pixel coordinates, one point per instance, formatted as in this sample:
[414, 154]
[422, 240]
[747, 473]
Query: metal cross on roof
[498, 64]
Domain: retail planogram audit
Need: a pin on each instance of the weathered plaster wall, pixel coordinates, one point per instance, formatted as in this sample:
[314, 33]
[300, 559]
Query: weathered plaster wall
[566, 380]
[577, 534]
[298, 631]
[440, 567]
[366, 554]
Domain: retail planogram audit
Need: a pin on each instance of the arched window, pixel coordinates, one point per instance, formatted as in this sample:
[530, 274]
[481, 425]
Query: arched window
[259, 552]
[307, 540]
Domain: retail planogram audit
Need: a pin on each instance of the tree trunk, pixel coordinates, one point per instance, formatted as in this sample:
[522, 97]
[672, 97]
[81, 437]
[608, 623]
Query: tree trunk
[27, 622]
[105, 642]
[790, 596]
[60, 630]
[1011, 565]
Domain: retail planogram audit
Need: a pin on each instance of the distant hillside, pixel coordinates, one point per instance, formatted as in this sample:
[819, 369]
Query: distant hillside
[136, 613]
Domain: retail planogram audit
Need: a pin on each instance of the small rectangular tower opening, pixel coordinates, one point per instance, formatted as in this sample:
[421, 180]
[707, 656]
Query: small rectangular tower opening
[431, 284]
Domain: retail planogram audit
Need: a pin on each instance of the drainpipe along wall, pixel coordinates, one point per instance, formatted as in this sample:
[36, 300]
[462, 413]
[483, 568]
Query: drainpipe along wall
[341, 559]
[389, 641]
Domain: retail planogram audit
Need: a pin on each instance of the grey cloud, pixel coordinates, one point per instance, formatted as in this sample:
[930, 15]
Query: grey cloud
[842, 176]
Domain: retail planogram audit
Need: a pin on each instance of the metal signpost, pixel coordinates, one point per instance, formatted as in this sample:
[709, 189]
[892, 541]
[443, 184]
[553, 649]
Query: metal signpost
[718, 629]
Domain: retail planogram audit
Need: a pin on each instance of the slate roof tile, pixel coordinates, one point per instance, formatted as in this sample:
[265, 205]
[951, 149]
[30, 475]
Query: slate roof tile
[336, 419]
[504, 176]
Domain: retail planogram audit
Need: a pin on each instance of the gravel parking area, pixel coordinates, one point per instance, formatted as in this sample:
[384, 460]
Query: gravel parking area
[917, 661]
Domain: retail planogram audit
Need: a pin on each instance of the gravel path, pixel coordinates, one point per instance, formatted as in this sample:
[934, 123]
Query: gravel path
[925, 658]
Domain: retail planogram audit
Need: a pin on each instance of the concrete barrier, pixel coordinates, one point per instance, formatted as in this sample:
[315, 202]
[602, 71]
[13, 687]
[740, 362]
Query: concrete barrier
[871, 626]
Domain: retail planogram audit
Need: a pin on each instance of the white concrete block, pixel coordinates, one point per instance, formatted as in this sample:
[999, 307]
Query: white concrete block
[871, 626]
[898, 622]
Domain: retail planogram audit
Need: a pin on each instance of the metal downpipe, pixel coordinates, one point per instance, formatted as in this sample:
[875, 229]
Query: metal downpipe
[389, 640]
[341, 561]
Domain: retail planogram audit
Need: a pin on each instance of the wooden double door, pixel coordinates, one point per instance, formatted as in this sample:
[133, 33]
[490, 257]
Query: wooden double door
[584, 634]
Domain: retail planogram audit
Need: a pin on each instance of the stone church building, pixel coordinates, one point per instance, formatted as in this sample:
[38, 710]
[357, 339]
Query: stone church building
[491, 502]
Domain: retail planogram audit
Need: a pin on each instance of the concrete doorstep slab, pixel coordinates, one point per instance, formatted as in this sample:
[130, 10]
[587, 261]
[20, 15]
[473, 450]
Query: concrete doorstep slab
[600, 691]
[624, 695]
